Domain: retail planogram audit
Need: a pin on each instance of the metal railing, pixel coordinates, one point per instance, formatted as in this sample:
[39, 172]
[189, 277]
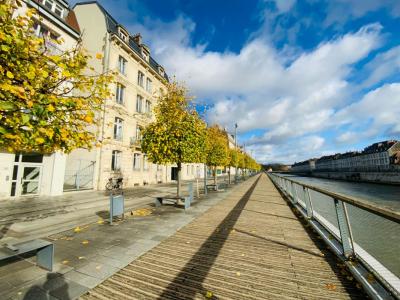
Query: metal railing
[364, 235]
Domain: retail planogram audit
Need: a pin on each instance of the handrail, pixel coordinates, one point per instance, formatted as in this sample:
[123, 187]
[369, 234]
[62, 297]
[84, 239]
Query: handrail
[361, 203]
[343, 245]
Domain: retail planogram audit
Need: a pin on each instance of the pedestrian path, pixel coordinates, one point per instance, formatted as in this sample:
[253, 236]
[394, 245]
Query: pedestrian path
[250, 245]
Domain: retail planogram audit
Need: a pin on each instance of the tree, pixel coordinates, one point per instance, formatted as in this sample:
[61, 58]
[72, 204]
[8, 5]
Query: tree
[233, 161]
[178, 134]
[216, 149]
[47, 102]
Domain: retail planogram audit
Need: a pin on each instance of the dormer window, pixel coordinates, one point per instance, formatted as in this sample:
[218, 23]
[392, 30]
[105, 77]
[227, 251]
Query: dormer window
[161, 70]
[123, 34]
[54, 7]
[145, 51]
[145, 56]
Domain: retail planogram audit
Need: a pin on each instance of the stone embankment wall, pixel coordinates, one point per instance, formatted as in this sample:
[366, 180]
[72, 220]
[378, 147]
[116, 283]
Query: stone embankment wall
[377, 177]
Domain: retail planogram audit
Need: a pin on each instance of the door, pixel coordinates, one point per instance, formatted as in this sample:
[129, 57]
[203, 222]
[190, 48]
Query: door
[30, 180]
[26, 175]
[174, 173]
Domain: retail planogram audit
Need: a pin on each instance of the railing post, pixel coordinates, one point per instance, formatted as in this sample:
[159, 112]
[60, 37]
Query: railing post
[294, 193]
[346, 234]
[307, 200]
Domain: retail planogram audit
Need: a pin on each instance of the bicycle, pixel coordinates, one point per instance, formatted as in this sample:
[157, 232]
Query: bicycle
[117, 185]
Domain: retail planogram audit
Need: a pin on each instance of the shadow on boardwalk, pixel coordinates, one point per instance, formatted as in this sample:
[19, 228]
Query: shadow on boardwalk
[212, 250]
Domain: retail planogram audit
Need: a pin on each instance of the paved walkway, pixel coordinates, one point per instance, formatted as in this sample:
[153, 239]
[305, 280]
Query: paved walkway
[26, 218]
[86, 256]
[248, 246]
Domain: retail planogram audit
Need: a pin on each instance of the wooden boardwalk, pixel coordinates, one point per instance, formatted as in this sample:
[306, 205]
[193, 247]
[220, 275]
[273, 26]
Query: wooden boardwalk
[249, 246]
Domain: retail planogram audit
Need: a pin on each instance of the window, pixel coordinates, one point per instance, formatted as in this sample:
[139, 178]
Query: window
[138, 133]
[145, 56]
[44, 32]
[140, 79]
[58, 10]
[122, 35]
[187, 170]
[145, 163]
[148, 107]
[118, 124]
[136, 161]
[54, 7]
[120, 93]
[122, 65]
[48, 3]
[139, 104]
[149, 85]
[116, 160]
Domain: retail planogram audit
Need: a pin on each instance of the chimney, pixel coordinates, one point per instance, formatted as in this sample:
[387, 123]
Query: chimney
[137, 38]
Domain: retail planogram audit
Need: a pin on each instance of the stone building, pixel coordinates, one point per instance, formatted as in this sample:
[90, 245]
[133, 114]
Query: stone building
[140, 81]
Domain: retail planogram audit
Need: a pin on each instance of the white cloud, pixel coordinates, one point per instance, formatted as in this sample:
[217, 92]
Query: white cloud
[290, 96]
[340, 11]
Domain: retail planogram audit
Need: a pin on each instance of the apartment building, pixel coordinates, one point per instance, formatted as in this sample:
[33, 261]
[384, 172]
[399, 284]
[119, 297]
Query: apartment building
[139, 82]
[24, 174]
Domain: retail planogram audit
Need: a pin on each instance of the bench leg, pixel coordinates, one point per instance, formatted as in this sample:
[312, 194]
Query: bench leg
[45, 257]
[158, 202]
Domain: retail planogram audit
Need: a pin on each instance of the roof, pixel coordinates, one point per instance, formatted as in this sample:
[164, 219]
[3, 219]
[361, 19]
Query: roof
[70, 20]
[112, 27]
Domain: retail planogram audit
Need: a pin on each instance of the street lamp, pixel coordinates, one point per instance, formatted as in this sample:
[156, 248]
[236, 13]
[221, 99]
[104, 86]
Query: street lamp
[236, 164]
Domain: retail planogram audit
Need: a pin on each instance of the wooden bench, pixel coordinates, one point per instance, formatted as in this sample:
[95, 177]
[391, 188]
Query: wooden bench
[44, 252]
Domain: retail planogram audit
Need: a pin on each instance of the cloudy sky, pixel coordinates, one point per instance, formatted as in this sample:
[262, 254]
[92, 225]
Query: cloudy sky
[302, 78]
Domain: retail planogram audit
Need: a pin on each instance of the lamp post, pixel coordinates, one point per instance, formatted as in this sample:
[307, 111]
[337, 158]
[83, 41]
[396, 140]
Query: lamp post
[236, 167]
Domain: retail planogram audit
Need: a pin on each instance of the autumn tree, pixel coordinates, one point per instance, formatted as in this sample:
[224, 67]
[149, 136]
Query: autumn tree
[178, 134]
[47, 99]
[216, 149]
[233, 161]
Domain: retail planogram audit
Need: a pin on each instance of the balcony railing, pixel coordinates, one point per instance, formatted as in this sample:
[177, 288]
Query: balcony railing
[364, 235]
[135, 142]
[52, 48]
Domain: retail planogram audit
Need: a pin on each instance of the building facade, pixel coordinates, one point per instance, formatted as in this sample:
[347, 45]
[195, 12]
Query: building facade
[140, 80]
[24, 174]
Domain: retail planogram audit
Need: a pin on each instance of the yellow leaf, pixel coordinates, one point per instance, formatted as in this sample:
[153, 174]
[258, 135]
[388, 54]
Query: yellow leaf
[50, 108]
[237, 273]
[85, 242]
[81, 257]
[209, 294]
[101, 221]
[99, 56]
[10, 75]
[39, 140]
[330, 286]
[77, 229]
[65, 262]
[88, 119]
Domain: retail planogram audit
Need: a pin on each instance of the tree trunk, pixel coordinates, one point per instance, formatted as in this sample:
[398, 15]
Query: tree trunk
[229, 175]
[178, 190]
[215, 177]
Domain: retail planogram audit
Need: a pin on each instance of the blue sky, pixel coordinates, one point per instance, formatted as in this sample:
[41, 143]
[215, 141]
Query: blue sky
[301, 78]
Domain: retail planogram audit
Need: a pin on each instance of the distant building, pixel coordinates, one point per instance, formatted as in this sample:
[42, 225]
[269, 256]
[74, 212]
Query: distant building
[36, 173]
[376, 157]
[304, 166]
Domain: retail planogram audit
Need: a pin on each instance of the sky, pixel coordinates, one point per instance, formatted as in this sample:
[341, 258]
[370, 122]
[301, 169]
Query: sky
[301, 78]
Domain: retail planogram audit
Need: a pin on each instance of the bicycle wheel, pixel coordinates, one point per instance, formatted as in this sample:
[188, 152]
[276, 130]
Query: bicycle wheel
[109, 186]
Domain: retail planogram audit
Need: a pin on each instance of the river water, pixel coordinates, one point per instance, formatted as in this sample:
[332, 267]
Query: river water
[375, 235]
[382, 194]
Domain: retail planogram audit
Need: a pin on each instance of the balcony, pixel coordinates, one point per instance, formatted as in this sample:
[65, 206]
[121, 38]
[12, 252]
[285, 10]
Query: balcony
[135, 142]
[52, 47]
